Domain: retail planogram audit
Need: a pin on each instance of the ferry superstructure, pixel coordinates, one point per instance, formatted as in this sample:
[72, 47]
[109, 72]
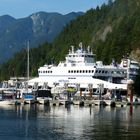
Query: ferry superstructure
[81, 68]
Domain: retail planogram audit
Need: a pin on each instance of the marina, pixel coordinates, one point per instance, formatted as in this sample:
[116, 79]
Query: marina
[57, 96]
[79, 76]
[85, 101]
[83, 81]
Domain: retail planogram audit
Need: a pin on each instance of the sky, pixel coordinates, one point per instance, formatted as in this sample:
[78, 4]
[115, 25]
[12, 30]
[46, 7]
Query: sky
[24, 8]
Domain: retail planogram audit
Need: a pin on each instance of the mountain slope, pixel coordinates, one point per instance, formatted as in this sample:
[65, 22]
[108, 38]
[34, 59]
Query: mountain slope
[111, 30]
[5, 21]
[38, 28]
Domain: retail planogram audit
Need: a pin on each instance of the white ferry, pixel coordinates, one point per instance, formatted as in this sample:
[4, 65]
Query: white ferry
[81, 68]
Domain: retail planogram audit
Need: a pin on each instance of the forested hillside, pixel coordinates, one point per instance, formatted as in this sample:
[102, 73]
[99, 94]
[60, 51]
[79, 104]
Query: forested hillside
[111, 30]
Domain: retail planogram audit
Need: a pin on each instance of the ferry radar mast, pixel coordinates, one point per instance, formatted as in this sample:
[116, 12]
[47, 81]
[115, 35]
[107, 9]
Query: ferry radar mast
[81, 45]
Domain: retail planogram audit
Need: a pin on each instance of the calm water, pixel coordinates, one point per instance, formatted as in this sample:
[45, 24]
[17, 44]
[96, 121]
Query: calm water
[39, 122]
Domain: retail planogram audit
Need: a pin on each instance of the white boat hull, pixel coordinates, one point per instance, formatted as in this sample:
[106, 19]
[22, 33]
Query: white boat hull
[29, 101]
[120, 104]
[42, 100]
[7, 102]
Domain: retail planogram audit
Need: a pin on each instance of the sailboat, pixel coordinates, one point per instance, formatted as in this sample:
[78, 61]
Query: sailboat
[27, 94]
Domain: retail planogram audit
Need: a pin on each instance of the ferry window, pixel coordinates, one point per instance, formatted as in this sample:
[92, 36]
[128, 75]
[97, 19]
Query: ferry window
[73, 64]
[83, 71]
[99, 71]
[82, 55]
[80, 71]
[96, 71]
[103, 71]
[86, 71]
[51, 71]
[77, 71]
[65, 65]
[46, 71]
[89, 71]
[69, 71]
[92, 71]
[43, 71]
[74, 71]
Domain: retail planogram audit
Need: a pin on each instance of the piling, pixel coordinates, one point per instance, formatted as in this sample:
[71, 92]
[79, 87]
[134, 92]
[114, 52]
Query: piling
[130, 90]
[90, 92]
[80, 92]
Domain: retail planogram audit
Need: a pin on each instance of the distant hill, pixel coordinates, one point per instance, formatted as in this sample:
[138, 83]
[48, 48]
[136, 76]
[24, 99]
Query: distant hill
[112, 30]
[38, 28]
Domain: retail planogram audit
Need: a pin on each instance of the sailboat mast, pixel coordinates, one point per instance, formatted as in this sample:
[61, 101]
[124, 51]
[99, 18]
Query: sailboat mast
[28, 72]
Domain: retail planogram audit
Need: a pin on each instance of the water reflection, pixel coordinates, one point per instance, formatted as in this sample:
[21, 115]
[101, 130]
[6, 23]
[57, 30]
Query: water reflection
[69, 122]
